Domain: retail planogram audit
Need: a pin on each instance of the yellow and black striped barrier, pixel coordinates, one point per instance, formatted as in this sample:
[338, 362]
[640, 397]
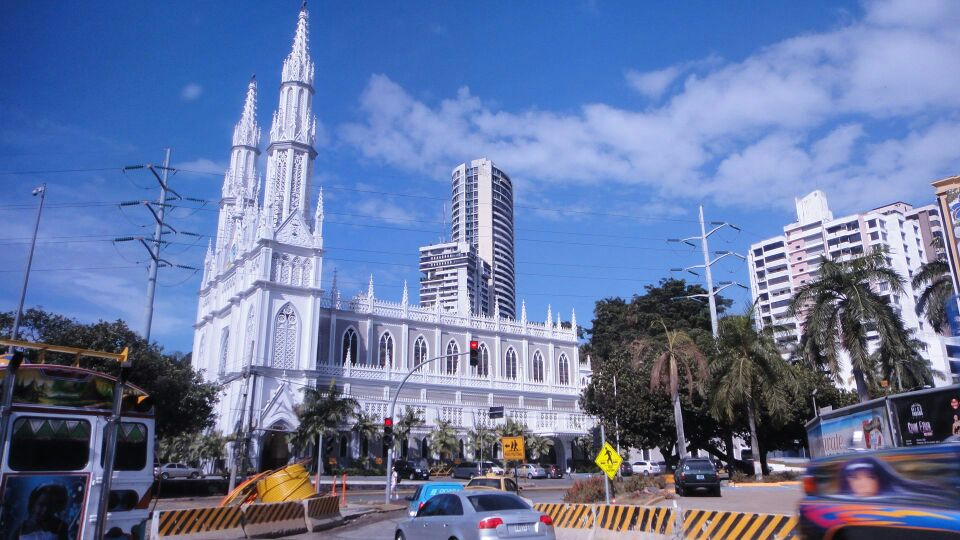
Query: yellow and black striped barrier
[261, 519]
[212, 523]
[321, 509]
[621, 517]
[715, 525]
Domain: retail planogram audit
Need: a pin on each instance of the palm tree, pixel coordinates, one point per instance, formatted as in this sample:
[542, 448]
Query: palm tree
[839, 308]
[902, 363]
[512, 428]
[366, 429]
[937, 285]
[750, 374]
[672, 352]
[405, 423]
[483, 438]
[538, 446]
[320, 414]
[444, 440]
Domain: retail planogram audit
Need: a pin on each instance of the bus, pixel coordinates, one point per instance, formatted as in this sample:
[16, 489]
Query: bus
[51, 471]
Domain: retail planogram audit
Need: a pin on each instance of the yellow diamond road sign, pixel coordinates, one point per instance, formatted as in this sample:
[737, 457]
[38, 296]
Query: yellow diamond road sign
[608, 460]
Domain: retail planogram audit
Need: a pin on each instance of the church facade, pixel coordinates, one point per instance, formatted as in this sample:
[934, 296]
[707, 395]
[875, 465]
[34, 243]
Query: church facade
[266, 329]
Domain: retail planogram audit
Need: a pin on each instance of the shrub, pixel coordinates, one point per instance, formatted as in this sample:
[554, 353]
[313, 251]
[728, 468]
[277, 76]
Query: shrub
[637, 482]
[590, 490]
[738, 477]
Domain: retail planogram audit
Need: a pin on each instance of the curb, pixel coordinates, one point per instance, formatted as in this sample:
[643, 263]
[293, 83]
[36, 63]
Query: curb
[766, 484]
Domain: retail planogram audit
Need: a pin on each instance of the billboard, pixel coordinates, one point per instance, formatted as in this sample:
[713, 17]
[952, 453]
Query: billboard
[868, 429]
[928, 417]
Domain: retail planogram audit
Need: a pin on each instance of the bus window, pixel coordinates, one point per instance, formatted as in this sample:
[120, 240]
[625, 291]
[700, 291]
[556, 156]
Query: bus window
[49, 444]
[131, 447]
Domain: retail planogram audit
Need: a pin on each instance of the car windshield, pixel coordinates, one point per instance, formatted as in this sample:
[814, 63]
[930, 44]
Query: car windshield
[485, 482]
[496, 503]
[699, 466]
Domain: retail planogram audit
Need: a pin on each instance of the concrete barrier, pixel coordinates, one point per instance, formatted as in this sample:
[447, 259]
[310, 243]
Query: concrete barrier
[214, 523]
[273, 519]
[716, 525]
[615, 517]
[320, 510]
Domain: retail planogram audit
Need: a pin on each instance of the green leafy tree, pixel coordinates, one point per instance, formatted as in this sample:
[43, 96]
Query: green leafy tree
[404, 424]
[745, 364]
[674, 355]
[901, 363]
[444, 440]
[320, 414]
[839, 308]
[937, 285]
[183, 400]
[512, 428]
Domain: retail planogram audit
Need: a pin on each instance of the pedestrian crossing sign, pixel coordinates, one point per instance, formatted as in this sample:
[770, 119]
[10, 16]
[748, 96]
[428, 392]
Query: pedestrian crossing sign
[512, 448]
[608, 460]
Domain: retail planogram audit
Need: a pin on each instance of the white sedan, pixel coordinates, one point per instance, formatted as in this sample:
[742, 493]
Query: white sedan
[645, 467]
[532, 471]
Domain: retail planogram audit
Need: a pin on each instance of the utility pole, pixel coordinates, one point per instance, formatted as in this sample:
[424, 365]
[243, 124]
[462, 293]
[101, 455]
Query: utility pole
[42, 191]
[707, 264]
[153, 245]
[13, 363]
[606, 479]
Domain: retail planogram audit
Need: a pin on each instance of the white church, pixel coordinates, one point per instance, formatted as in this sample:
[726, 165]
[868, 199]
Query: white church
[266, 330]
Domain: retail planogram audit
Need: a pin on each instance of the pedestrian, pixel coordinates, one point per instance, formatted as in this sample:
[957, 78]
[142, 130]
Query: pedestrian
[394, 480]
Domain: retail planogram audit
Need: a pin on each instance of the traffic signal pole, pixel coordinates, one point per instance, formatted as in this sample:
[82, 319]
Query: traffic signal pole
[393, 405]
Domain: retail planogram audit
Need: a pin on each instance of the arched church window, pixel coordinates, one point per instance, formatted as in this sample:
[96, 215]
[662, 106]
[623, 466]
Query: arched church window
[349, 346]
[386, 350]
[483, 365]
[564, 370]
[224, 350]
[510, 364]
[451, 363]
[537, 367]
[285, 338]
[419, 351]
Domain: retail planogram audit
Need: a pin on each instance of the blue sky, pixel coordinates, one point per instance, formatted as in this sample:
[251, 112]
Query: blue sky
[615, 120]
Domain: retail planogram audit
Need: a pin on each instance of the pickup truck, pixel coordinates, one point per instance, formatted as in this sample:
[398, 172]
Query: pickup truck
[909, 492]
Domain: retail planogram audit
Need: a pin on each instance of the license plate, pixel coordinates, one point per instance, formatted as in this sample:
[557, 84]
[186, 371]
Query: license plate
[699, 477]
[520, 529]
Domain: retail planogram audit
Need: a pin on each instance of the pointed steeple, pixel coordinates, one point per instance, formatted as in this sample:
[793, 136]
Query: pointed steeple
[559, 322]
[370, 287]
[496, 308]
[247, 132]
[573, 320]
[318, 217]
[405, 299]
[523, 312]
[298, 67]
[549, 316]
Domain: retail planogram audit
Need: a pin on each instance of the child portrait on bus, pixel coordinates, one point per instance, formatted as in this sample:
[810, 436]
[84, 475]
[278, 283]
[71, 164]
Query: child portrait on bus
[867, 477]
[43, 522]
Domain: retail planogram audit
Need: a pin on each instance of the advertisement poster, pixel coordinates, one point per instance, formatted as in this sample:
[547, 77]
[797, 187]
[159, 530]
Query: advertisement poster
[42, 506]
[865, 430]
[929, 418]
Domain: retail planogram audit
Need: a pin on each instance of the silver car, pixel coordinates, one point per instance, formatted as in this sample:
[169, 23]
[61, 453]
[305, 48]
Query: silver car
[468, 515]
[176, 470]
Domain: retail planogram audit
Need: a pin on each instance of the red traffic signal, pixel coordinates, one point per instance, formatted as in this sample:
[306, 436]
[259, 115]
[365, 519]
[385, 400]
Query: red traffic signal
[388, 422]
[474, 345]
[474, 353]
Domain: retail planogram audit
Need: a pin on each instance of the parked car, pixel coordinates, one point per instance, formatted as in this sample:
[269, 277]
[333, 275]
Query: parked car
[426, 491]
[494, 481]
[645, 468]
[626, 469]
[487, 467]
[694, 474]
[466, 469]
[531, 470]
[411, 471]
[554, 471]
[176, 470]
[909, 492]
[475, 515]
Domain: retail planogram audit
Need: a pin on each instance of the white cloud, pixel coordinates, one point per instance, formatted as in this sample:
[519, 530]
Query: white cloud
[191, 92]
[842, 110]
[202, 165]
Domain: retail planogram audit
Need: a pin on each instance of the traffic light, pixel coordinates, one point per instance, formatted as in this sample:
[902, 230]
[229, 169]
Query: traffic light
[474, 353]
[388, 432]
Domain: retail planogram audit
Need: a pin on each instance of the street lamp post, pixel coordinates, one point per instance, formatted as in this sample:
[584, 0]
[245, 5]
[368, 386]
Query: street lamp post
[390, 411]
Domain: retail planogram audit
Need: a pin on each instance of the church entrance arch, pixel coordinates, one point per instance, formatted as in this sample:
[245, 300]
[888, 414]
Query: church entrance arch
[275, 452]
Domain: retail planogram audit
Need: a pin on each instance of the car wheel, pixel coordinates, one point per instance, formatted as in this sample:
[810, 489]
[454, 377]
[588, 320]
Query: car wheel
[529, 476]
[400, 536]
[194, 475]
[716, 492]
[413, 476]
[165, 476]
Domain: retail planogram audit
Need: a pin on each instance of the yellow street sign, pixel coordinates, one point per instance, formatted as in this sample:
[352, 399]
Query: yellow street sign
[608, 460]
[512, 448]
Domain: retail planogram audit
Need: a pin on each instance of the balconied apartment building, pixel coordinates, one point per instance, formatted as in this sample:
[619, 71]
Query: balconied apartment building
[780, 265]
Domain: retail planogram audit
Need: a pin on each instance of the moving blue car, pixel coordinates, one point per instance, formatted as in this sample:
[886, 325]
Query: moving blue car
[425, 491]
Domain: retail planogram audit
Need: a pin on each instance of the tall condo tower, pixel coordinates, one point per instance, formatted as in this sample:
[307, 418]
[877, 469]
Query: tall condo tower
[482, 216]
